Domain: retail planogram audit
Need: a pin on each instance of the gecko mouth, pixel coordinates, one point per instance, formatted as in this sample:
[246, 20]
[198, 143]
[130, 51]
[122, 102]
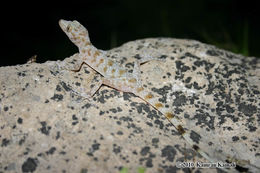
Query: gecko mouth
[64, 24]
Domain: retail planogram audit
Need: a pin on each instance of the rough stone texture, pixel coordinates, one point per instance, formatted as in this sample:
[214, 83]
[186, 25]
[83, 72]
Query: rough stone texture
[45, 127]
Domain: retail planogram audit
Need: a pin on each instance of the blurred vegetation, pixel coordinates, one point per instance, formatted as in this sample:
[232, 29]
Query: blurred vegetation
[224, 23]
[229, 24]
[140, 170]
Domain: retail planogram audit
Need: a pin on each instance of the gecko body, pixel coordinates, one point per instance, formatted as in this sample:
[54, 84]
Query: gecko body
[116, 76]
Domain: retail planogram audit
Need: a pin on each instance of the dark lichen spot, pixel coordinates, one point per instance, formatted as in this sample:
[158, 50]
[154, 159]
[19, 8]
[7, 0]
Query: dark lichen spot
[113, 110]
[149, 163]
[180, 66]
[119, 109]
[155, 140]
[120, 133]
[163, 57]
[162, 91]
[126, 119]
[19, 120]
[65, 86]
[196, 86]
[188, 54]
[241, 169]
[92, 85]
[136, 129]
[160, 123]
[168, 74]
[196, 147]
[74, 123]
[195, 136]
[41, 76]
[77, 84]
[6, 108]
[235, 138]
[62, 153]
[57, 135]
[212, 53]
[74, 117]
[244, 137]
[84, 170]
[247, 109]
[58, 88]
[169, 152]
[51, 151]
[229, 128]
[172, 169]
[57, 97]
[22, 74]
[21, 141]
[116, 149]
[54, 73]
[95, 146]
[30, 165]
[180, 99]
[252, 128]
[86, 106]
[101, 113]
[145, 151]
[134, 152]
[101, 97]
[149, 124]
[211, 88]
[188, 79]
[204, 119]
[45, 129]
[90, 154]
[229, 109]
[5, 142]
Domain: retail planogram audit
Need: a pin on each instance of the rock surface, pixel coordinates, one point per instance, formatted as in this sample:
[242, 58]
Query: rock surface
[45, 127]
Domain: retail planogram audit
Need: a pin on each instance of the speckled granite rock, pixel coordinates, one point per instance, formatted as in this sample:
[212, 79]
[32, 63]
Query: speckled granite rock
[45, 127]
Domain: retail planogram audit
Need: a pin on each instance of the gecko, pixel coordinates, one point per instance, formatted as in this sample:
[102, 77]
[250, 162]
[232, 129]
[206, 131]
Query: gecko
[117, 77]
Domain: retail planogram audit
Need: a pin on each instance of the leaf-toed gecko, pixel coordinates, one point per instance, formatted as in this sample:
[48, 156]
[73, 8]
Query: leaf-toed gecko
[116, 76]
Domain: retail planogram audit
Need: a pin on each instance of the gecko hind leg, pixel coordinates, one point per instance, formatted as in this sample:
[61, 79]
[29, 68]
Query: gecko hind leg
[81, 91]
[78, 67]
[88, 94]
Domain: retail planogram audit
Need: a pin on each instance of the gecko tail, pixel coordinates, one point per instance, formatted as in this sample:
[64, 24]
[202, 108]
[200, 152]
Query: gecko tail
[174, 120]
[186, 135]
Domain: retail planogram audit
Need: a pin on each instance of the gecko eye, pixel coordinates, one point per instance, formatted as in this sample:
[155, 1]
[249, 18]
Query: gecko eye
[68, 29]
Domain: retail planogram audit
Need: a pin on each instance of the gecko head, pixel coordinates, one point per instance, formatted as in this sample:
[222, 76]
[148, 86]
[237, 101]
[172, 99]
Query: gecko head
[76, 32]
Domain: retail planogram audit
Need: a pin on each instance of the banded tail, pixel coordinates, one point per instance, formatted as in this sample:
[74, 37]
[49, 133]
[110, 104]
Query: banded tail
[175, 121]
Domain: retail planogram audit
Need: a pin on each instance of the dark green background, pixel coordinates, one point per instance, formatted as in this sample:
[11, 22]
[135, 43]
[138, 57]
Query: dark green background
[32, 28]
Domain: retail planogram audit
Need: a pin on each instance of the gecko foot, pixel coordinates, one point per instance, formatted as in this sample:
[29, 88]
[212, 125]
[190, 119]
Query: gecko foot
[148, 55]
[87, 94]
